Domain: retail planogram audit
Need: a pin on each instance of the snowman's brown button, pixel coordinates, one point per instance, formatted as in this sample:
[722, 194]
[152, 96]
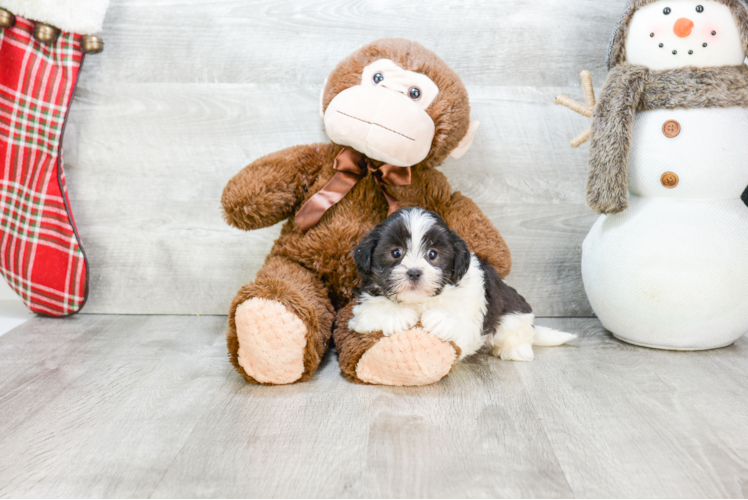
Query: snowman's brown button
[669, 180]
[671, 128]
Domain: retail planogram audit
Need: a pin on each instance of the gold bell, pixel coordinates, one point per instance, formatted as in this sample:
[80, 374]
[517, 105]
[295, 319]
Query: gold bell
[91, 44]
[45, 33]
[7, 20]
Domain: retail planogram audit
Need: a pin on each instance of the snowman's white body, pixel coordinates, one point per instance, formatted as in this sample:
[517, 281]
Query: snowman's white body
[671, 271]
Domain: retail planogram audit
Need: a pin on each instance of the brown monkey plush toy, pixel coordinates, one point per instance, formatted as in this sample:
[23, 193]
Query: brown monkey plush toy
[394, 111]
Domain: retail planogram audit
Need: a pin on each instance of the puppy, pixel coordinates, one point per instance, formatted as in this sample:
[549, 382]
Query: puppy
[414, 268]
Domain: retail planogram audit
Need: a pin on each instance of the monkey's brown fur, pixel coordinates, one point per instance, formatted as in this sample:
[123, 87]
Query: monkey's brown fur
[313, 274]
[356, 344]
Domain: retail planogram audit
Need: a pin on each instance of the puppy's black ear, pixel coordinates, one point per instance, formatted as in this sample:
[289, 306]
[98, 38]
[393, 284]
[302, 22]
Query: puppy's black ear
[462, 258]
[364, 252]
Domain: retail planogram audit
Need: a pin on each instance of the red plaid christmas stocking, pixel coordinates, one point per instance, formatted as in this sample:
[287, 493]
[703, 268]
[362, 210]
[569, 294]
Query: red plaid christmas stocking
[40, 254]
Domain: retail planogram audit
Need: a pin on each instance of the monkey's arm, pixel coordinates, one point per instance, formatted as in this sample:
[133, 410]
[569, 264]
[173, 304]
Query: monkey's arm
[270, 189]
[472, 225]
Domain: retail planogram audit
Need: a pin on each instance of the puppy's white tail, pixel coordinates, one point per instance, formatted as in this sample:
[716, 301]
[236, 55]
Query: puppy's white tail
[517, 333]
[548, 337]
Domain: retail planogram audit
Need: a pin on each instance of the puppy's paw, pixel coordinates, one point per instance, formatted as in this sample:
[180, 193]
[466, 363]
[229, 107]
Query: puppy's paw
[361, 324]
[399, 320]
[521, 352]
[375, 314]
[439, 323]
[388, 320]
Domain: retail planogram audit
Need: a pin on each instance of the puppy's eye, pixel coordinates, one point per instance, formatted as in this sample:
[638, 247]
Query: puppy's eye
[397, 253]
[414, 93]
[433, 255]
[378, 78]
[666, 11]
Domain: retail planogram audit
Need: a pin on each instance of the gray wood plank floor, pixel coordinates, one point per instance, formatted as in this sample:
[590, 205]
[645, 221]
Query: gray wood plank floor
[139, 406]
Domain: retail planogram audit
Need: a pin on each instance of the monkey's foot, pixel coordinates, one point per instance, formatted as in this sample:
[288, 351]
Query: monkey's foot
[272, 341]
[409, 358]
[412, 358]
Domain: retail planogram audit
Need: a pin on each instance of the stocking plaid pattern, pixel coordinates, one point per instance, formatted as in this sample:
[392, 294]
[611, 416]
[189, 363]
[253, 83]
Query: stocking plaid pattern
[40, 253]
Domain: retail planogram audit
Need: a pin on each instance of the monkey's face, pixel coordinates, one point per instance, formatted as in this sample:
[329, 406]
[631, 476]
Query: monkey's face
[384, 117]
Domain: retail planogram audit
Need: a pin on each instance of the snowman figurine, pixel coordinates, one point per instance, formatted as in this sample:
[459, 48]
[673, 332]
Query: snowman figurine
[666, 265]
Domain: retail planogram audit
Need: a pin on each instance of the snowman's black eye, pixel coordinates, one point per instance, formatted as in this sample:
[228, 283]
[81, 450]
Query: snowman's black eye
[714, 33]
[414, 93]
[662, 45]
[667, 11]
[378, 78]
[652, 35]
[699, 9]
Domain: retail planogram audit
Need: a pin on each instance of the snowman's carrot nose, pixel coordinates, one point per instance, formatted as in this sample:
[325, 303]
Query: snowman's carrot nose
[683, 27]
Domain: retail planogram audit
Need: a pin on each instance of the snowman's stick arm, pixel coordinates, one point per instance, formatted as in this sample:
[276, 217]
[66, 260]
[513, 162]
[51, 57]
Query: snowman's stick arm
[586, 109]
[574, 105]
[589, 91]
[581, 138]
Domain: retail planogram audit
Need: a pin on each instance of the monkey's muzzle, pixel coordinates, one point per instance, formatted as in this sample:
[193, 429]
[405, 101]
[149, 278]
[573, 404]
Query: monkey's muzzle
[383, 124]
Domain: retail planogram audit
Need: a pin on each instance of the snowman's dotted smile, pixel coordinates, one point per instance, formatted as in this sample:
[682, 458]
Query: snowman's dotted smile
[682, 28]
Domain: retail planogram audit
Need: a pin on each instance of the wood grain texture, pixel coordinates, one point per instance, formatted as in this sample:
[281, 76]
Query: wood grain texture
[103, 401]
[488, 42]
[189, 92]
[123, 406]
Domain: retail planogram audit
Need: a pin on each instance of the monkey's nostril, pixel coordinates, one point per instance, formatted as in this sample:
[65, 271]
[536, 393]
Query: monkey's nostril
[683, 27]
[414, 274]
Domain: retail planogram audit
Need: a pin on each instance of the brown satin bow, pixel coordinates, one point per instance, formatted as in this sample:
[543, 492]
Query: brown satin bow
[351, 167]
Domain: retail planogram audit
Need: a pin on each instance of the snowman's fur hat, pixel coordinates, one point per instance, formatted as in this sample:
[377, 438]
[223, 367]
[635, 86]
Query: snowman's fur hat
[617, 49]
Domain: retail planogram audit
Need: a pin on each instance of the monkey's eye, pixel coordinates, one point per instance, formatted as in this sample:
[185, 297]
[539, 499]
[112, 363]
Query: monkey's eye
[414, 93]
[378, 78]
[433, 255]
[397, 253]
[667, 11]
[699, 9]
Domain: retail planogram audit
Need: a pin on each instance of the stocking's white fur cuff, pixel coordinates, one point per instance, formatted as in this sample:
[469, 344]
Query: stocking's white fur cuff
[84, 17]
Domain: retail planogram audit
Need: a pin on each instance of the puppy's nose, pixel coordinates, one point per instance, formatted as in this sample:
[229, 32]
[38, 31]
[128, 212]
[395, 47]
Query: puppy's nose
[414, 274]
[683, 27]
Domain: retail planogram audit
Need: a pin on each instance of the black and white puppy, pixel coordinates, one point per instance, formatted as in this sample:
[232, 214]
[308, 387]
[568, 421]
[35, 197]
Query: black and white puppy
[414, 268]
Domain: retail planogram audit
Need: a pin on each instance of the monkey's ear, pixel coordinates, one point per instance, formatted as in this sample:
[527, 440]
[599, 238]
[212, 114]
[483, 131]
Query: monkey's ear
[462, 258]
[363, 254]
[466, 141]
[322, 100]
